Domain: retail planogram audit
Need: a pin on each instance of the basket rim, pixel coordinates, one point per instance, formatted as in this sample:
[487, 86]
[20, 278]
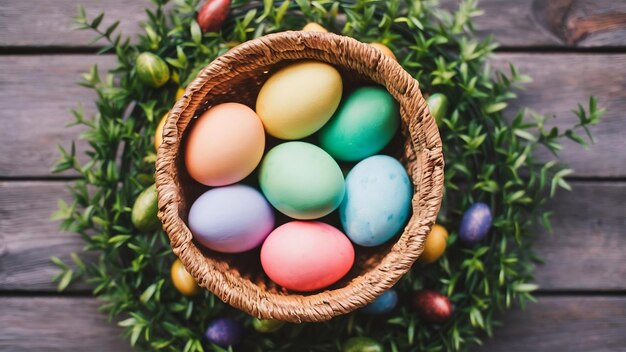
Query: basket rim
[423, 151]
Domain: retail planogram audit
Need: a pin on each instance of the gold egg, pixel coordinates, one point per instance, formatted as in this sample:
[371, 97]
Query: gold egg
[182, 280]
[385, 50]
[435, 244]
[314, 27]
[179, 93]
[158, 134]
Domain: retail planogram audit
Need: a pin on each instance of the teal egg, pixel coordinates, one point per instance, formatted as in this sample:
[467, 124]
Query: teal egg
[301, 180]
[363, 125]
[377, 204]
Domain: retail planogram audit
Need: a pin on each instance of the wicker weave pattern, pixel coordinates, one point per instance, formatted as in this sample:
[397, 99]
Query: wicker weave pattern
[237, 76]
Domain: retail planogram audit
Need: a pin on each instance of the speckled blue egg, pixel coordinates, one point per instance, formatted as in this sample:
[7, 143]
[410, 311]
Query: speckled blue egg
[377, 202]
[383, 304]
[476, 223]
[224, 332]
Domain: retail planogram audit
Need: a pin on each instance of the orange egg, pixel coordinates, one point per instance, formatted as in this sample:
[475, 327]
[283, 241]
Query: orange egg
[384, 49]
[435, 244]
[182, 280]
[158, 134]
[314, 27]
[224, 145]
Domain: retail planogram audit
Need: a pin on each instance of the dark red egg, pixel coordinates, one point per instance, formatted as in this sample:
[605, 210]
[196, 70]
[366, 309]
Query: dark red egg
[213, 14]
[431, 306]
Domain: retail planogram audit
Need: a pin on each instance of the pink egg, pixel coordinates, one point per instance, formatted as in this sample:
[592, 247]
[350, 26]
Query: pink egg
[306, 255]
[224, 145]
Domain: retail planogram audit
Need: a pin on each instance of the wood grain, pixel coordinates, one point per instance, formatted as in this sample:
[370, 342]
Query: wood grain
[578, 324]
[28, 238]
[526, 23]
[37, 119]
[36, 95]
[584, 253]
[57, 324]
[563, 323]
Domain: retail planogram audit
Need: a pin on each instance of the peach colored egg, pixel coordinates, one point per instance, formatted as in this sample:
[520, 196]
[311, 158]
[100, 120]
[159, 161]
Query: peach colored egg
[306, 255]
[224, 145]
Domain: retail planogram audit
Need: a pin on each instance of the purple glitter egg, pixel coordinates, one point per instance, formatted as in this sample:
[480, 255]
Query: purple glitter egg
[224, 332]
[475, 224]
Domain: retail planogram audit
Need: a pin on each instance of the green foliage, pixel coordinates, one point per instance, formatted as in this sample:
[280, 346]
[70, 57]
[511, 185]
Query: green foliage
[488, 158]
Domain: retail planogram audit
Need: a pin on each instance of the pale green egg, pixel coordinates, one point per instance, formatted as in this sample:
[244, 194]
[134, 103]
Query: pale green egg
[301, 180]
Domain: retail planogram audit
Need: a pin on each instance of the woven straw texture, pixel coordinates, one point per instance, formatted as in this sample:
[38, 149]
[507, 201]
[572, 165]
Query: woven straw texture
[238, 279]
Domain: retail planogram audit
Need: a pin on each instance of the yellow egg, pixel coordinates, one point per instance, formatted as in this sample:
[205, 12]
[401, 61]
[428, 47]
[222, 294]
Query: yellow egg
[314, 27]
[385, 50]
[179, 93]
[158, 134]
[299, 99]
[182, 280]
[435, 244]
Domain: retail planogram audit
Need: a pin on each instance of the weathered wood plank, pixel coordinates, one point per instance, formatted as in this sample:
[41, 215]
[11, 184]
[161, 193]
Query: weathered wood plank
[560, 81]
[584, 253]
[579, 324]
[40, 23]
[35, 121]
[583, 23]
[28, 238]
[573, 324]
[57, 324]
[36, 95]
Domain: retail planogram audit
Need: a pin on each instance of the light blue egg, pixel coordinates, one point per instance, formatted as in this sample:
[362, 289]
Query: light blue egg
[383, 304]
[377, 202]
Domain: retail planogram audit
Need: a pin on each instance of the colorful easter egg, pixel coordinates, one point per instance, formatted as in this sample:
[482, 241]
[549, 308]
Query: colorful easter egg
[435, 244]
[152, 70]
[377, 203]
[363, 125]
[383, 304]
[231, 219]
[301, 180]
[224, 332]
[299, 99]
[476, 223]
[224, 145]
[182, 280]
[306, 255]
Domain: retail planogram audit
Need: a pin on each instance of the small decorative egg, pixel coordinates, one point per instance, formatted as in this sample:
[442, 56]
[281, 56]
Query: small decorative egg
[377, 203]
[158, 133]
[383, 304]
[306, 255]
[384, 49]
[438, 105]
[299, 99]
[476, 223]
[363, 125]
[435, 244]
[224, 332]
[301, 180]
[182, 280]
[145, 209]
[213, 14]
[314, 27]
[267, 326]
[432, 306]
[179, 93]
[224, 145]
[152, 70]
[362, 344]
[231, 219]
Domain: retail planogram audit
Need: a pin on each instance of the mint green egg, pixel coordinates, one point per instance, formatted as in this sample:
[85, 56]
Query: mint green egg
[362, 126]
[301, 180]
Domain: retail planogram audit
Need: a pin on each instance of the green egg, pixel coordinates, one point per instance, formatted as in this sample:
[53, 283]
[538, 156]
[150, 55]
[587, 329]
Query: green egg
[301, 180]
[362, 126]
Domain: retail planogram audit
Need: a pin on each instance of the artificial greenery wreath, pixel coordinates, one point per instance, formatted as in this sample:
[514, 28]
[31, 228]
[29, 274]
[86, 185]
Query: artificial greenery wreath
[489, 158]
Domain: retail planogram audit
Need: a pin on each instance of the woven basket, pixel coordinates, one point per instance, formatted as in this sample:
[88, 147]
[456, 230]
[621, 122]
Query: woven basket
[238, 279]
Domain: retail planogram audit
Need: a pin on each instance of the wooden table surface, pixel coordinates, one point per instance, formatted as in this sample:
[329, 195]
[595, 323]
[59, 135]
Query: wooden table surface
[571, 48]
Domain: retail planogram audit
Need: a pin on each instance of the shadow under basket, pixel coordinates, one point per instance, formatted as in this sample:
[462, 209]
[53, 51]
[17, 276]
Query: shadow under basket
[237, 76]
